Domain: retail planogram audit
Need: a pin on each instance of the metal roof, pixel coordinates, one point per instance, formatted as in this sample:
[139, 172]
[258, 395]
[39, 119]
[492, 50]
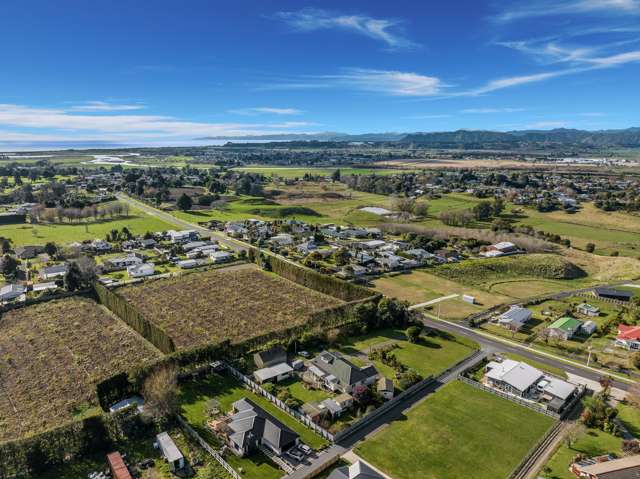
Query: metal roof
[168, 447]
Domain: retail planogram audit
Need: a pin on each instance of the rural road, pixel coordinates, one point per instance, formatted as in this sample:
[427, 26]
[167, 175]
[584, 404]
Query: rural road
[433, 301]
[490, 344]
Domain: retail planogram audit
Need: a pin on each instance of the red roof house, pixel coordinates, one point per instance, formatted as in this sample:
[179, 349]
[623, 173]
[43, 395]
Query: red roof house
[628, 337]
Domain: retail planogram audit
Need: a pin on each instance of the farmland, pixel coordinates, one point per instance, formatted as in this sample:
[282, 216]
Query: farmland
[53, 354]
[458, 432]
[199, 308]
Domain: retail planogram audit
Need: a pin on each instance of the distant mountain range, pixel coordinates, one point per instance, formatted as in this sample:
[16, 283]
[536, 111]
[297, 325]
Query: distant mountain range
[473, 139]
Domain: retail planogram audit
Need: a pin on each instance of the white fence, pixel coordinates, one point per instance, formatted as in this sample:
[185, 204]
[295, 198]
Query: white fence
[205, 445]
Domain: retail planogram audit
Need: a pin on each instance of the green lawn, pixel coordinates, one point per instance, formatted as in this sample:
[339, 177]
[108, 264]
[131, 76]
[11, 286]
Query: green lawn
[299, 391]
[458, 433]
[431, 356]
[226, 390]
[137, 222]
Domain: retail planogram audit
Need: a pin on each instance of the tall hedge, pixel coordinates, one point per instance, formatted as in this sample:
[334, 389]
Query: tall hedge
[130, 315]
[319, 282]
[28, 458]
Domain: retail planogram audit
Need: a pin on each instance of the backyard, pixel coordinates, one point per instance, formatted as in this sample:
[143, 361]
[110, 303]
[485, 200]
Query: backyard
[457, 433]
[53, 354]
[240, 303]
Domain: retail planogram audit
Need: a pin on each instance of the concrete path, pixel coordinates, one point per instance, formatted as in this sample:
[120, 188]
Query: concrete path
[433, 301]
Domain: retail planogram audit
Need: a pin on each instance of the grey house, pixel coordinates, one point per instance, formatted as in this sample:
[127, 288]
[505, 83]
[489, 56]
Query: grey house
[252, 428]
[336, 373]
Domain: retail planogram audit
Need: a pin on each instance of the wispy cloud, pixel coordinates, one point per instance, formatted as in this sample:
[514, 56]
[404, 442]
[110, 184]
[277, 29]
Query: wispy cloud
[547, 125]
[568, 7]
[381, 29]
[64, 124]
[491, 110]
[103, 106]
[265, 110]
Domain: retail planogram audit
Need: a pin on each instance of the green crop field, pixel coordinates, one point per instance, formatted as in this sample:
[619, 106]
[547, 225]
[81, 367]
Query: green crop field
[459, 432]
[137, 222]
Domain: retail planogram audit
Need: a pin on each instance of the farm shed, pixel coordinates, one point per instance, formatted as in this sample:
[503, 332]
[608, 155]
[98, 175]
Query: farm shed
[118, 468]
[170, 451]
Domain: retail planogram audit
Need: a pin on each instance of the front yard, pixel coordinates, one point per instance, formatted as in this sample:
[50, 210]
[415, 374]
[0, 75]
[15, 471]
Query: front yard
[457, 433]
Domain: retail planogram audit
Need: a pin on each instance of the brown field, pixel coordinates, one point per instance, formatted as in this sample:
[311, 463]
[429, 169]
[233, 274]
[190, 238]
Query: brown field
[200, 308]
[51, 357]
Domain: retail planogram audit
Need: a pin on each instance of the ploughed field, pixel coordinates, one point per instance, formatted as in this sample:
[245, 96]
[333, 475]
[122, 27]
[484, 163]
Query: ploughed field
[51, 357]
[236, 304]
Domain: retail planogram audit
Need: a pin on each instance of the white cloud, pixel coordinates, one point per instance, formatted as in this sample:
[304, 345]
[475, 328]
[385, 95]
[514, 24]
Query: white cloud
[569, 7]
[311, 19]
[266, 110]
[547, 125]
[72, 124]
[491, 110]
[104, 106]
[508, 82]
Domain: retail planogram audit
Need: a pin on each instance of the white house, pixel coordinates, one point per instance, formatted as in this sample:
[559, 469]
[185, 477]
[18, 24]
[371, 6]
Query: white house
[122, 262]
[11, 291]
[53, 272]
[184, 236]
[220, 256]
[514, 318]
[276, 373]
[141, 270]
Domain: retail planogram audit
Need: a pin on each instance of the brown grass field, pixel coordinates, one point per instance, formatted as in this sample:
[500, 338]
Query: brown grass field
[200, 308]
[51, 357]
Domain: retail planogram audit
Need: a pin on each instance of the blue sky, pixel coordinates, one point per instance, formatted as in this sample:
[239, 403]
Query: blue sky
[165, 72]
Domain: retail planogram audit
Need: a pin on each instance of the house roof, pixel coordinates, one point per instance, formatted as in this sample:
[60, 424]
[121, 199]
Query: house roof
[253, 423]
[628, 332]
[624, 468]
[119, 468]
[55, 269]
[613, 292]
[518, 375]
[357, 470]
[276, 353]
[559, 388]
[588, 307]
[265, 374]
[385, 384]
[344, 371]
[566, 324]
[516, 314]
[169, 448]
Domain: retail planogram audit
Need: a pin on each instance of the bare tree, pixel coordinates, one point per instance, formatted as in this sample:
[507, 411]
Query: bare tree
[160, 391]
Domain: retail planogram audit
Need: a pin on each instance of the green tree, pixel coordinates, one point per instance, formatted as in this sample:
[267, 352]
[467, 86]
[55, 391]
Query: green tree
[185, 202]
[51, 249]
[9, 266]
[335, 176]
[483, 211]
[341, 256]
[413, 333]
[590, 247]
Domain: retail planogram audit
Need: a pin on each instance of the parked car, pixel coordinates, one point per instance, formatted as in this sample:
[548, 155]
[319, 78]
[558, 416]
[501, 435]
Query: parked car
[304, 448]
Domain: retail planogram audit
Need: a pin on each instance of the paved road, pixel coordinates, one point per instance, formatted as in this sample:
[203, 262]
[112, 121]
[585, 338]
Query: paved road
[495, 345]
[397, 412]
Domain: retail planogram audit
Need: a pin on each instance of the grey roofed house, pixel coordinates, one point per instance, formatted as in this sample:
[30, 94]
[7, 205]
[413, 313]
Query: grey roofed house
[252, 427]
[277, 372]
[513, 376]
[28, 252]
[342, 372]
[515, 317]
[148, 243]
[11, 291]
[270, 357]
[559, 388]
[54, 271]
[357, 470]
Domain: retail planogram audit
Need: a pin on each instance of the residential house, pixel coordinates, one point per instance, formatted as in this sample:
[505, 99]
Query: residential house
[607, 467]
[55, 271]
[270, 357]
[235, 230]
[371, 245]
[141, 270]
[170, 452]
[122, 262]
[390, 262]
[419, 254]
[628, 337]
[28, 252]
[385, 388]
[191, 245]
[148, 243]
[276, 373]
[11, 291]
[589, 327]
[564, 328]
[333, 371]
[515, 318]
[185, 236]
[587, 310]
[48, 286]
[449, 255]
[100, 246]
[357, 470]
[251, 428]
[500, 249]
[220, 256]
[338, 405]
[512, 376]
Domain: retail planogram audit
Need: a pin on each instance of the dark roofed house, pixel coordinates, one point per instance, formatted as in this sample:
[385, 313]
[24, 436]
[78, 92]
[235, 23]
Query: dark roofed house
[610, 293]
[606, 467]
[270, 357]
[251, 428]
[55, 271]
[338, 374]
[28, 252]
